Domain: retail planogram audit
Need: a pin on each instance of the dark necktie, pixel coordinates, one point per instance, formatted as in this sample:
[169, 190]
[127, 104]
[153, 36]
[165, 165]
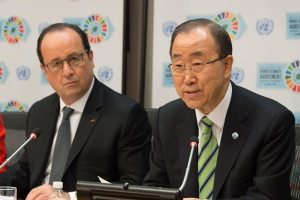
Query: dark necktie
[62, 146]
[207, 160]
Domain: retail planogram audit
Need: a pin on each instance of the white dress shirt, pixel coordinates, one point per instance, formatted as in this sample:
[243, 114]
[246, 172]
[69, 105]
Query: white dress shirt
[78, 107]
[217, 115]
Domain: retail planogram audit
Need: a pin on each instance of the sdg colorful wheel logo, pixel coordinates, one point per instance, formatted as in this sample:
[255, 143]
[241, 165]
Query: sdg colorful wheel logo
[14, 30]
[14, 106]
[97, 28]
[232, 23]
[3, 72]
[292, 76]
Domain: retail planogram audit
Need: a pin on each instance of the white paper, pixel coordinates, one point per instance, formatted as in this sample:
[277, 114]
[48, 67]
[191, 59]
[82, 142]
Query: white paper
[102, 180]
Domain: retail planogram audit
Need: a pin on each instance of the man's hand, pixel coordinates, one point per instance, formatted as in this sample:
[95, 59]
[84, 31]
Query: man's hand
[41, 193]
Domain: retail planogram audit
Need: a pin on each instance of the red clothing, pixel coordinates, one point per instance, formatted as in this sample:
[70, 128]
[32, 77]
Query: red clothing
[2, 144]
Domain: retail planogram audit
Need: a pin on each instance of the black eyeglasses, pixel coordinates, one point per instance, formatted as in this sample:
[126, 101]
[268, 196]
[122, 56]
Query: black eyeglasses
[179, 69]
[72, 60]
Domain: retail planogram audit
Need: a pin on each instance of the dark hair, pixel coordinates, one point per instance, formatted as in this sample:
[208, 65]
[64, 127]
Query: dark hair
[58, 27]
[219, 34]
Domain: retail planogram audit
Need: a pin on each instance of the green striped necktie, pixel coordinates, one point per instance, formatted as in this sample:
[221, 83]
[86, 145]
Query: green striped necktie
[207, 159]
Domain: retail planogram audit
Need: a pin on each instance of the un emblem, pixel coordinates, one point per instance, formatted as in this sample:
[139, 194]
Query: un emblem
[169, 27]
[264, 26]
[237, 75]
[23, 73]
[105, 74]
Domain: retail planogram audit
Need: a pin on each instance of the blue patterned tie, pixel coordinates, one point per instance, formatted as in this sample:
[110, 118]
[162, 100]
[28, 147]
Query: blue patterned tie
[207, 159]
[62, 146]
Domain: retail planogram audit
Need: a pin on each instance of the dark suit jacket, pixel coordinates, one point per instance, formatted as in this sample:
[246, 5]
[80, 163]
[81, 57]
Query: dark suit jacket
[256, 165]
[112, 141]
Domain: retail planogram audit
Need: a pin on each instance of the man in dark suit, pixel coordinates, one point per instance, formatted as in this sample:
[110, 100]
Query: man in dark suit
[254, 135]
[110, 133]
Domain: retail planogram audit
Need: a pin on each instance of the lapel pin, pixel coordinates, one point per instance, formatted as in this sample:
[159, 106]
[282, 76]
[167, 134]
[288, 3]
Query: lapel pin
[235, 135]
[93, 120]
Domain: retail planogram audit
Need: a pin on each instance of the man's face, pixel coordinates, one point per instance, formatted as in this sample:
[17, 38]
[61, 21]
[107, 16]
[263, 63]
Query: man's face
[70, 83]
[205, 89]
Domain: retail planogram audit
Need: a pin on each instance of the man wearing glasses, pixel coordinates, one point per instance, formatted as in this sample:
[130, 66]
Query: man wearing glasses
[246, 141]
[88, 130]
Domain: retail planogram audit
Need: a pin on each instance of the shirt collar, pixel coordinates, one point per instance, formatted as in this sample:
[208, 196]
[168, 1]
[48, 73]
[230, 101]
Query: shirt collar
[219, 113]
[78, 105]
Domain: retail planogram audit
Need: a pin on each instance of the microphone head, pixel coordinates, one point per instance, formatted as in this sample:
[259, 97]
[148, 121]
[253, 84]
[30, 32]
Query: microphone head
[194, 141]
[36, 132]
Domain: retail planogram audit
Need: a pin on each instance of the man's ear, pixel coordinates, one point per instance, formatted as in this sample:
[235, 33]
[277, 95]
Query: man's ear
[43, 68]
[91, 55]
[228, 61]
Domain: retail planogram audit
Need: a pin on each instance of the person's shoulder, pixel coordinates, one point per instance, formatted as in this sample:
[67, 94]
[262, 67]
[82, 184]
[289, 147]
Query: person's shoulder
[174, 108]
[114, 99]
[176, 104]
[114, 96]
[44, 102]
[261, 102]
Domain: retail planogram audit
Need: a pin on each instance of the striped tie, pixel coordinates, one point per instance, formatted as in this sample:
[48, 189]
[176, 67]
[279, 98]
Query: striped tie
[207, 160]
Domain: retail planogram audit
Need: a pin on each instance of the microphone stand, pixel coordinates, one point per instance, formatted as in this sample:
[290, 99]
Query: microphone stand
[32, 137]
[187, 171]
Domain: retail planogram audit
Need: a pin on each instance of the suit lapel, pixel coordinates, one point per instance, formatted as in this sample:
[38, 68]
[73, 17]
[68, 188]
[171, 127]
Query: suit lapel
[89, 118]
[43, 144]
[230, 148]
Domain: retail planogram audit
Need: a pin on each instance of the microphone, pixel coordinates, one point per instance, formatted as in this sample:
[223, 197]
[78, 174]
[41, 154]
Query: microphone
[35, 133]
[194, 143]
[126, 185]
